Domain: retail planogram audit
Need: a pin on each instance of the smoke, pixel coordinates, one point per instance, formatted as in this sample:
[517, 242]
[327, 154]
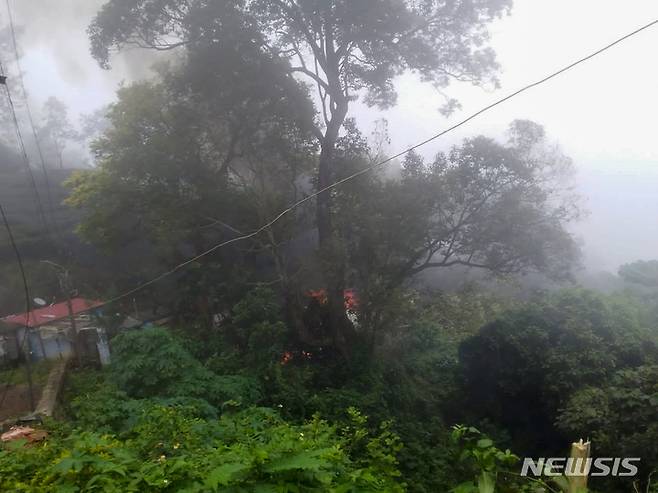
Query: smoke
[60, 27]
[53, 41]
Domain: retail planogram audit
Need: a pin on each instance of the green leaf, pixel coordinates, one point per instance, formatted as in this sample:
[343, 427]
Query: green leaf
[312, 461]
[224, 474]
[484, 443]
[68, 464]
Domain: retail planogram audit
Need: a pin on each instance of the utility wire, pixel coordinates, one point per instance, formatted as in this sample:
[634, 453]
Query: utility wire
[383, 162]
[28, 305]
[30, 118]
[26, 159]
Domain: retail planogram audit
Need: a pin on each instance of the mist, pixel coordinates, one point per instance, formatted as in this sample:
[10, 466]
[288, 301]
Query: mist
[600, 117]
[328, 245]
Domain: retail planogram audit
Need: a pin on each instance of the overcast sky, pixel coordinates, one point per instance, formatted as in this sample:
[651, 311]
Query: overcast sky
[601, 113]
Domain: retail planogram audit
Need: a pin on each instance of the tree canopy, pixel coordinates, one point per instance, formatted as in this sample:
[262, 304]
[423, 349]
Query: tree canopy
[642, 272]
[342, 49]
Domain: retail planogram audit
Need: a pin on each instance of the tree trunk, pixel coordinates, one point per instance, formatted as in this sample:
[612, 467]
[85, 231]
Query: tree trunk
[332, 257]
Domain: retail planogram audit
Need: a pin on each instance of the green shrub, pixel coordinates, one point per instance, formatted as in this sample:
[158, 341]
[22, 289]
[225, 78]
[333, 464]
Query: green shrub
[520, 369]
[151, 362]
[167, 450]
[620, 416]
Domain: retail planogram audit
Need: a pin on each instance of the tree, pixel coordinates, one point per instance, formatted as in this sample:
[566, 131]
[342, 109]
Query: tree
[620, 415]
[344, 49]
[55, 128]
[522, 368]
[503, 208]
[641, 272]
[500, 208]
[93, 125]
[32, 237]
[187, 162]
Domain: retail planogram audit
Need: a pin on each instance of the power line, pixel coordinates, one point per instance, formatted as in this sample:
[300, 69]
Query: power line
[26, 159]
[28, 304]
[383, 162]
[30, 117]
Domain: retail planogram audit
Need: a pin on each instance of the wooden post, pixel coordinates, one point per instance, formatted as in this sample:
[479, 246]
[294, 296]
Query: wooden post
[73, 332]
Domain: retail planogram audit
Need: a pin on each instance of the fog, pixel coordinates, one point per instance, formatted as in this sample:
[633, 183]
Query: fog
[601, 113]
[209, 283]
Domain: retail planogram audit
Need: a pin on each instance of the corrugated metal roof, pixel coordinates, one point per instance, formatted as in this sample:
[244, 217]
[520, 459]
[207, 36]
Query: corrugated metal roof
[48, 314]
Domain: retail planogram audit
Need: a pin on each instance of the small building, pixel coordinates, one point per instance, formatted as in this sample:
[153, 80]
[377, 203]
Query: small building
[49, 332]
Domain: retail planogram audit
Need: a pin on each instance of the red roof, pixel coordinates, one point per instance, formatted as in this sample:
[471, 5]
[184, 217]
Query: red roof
[47, 314]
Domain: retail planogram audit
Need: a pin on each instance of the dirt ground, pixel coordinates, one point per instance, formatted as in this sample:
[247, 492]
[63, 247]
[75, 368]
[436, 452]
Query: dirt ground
[17, 401]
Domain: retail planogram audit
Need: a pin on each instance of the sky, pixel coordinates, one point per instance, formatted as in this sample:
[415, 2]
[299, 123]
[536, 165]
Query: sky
[600, 113]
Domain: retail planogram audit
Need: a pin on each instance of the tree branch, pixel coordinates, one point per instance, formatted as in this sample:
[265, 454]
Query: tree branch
[313, 76]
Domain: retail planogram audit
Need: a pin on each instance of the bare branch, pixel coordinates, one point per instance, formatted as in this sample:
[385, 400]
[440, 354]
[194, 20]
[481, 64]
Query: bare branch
[310, 74]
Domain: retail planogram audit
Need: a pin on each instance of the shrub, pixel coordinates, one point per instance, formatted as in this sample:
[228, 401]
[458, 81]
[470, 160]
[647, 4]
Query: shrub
[620, 416]
[151, 362]
[167, 450]
[520, 369]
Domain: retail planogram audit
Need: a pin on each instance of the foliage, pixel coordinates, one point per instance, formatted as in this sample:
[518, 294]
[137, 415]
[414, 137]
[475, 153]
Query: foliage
[540, 354]
[94, 403]
[482, 457]
[620, 415]
[483, 205]
[34, 238]
[641, 272]
[176, 173]
[151, 362]
[55, 130]
[253, 337]
[18, 375]
[493, 468]
[410, 380]
[166, 450]
[344, 49]
[183, 148]
[502, 209]
[370, 44]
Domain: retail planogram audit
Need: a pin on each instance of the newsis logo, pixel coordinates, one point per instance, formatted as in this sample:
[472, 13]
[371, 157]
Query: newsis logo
[570, 466]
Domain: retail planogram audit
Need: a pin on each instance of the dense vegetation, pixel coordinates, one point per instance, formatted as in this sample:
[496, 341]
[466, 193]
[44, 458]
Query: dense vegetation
[348, 346]
[231, 412]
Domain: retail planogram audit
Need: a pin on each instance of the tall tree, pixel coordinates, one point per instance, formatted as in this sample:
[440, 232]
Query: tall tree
[502, 208]
[345, 49]
[56, 129]
[195, 159]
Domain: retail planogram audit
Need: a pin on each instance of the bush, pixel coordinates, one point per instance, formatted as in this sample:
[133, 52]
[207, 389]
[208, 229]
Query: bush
[620, 416]
[520, 369]
[152, 362]
[167, 450]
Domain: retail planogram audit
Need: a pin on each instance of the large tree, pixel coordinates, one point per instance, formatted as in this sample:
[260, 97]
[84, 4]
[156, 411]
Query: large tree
[498, 207]
[195, 159]
[345, 49]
